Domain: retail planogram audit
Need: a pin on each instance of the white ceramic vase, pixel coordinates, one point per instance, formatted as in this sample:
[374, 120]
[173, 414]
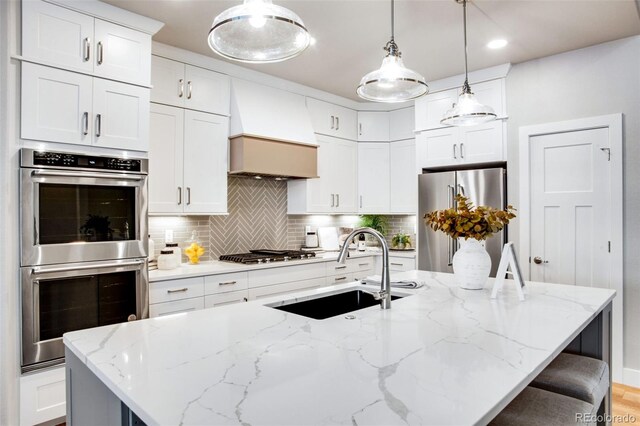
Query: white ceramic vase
[471, 264]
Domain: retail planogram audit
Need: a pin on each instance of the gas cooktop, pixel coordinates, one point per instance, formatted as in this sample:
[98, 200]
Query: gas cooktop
[266, 256]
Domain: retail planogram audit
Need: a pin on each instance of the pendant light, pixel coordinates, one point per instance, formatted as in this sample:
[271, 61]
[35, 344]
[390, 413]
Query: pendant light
[258, 31]
[467, 111]
[392, 82]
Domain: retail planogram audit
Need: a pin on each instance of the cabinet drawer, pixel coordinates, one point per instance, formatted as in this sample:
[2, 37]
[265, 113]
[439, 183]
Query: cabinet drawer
[339, 279]
[280, 289]
[165, 291]
[401, 264]
[286, 274]
[350, 266]
[225, 283]
[357, 276]
[42, 396]
[176, 307]
[226, 298]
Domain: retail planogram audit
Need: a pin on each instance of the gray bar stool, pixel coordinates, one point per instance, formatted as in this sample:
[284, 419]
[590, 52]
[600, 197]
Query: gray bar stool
[536, 407]
[577, 376]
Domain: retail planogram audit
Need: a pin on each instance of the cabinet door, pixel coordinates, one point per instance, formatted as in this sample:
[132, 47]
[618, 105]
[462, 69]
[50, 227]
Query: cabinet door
[166, 145]
[403, 177]
[211, 301]
[121, 115]
[56, 105]
[322, 118]
[205, 159]
[373, 126]
[167, 79]
[206, 90]
[491, 93]
[344, 175]
[346, 122]
[438, 147]
[176, 307]
[373, 177]
[401, 124]
[56, 35]
[482, 143]
[320, 195]
[431, 108]
[122, 54]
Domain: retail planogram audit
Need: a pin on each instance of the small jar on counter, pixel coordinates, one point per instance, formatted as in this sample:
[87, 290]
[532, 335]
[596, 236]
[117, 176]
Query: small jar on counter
[177, 252]
[167, 260]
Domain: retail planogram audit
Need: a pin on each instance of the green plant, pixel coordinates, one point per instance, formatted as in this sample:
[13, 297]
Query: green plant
[375, 221]
[401, 240]
[467, 221]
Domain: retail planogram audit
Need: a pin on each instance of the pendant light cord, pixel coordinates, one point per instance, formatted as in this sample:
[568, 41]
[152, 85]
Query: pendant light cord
[393, 18]
[465, 86]
[391, 47]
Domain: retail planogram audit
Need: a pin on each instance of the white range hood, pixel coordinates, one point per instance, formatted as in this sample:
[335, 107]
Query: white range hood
[270, 132]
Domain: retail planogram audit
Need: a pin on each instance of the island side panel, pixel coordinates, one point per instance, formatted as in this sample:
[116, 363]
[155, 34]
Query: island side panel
[89, 401]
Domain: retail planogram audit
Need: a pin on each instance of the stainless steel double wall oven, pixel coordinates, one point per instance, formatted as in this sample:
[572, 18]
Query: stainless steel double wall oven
[84, 247]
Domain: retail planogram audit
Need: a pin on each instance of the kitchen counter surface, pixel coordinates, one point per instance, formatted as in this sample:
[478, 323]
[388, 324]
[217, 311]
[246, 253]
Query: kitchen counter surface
[441, 356]
[217, 267]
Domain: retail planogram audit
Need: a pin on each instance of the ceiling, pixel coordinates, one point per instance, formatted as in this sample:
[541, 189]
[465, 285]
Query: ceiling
[350, 34]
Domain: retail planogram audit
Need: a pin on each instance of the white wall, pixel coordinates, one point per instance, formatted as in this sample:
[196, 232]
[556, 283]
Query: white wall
[9, 284]
[597, 80]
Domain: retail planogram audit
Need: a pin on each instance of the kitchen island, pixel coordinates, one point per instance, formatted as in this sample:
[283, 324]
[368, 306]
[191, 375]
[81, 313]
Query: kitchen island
[442, 355]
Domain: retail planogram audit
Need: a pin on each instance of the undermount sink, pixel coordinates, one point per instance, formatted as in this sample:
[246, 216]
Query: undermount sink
[324, 307]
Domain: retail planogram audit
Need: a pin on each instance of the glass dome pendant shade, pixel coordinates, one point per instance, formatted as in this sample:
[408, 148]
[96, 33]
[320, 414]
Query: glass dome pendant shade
[258, 31]
[467, 111]
[392, 82]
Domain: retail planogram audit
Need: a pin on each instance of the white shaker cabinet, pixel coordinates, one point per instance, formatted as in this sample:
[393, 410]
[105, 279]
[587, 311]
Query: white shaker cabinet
[401, 124]
[56, 105]
[187, 161]
[178, 84]
[373, 126]
[435, 148]
[403, 177]
[373, 177]
[332, 120]
[121, 114]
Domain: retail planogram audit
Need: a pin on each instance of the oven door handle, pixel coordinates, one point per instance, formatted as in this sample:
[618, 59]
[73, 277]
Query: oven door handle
[47, 269]
[88, 175]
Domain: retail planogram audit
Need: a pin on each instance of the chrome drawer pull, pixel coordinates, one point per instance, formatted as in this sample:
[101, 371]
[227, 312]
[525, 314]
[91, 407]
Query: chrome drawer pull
[180, 290]
[365, 264]
[341, 267]
[341, 278]
[397, 264]
[228, 283]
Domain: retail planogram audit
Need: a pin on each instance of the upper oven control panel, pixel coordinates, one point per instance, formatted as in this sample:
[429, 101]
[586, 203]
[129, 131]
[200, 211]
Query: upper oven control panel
[65, 160]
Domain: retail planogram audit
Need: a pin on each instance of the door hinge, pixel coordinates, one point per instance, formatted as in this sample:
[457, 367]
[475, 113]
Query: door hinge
[609, 246]
[608, 151]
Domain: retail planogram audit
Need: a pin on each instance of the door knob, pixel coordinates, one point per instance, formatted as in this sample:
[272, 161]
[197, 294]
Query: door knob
[538, 260]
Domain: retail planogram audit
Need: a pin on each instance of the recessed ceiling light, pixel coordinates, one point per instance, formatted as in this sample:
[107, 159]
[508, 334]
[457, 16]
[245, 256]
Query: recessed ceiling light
[497, 44]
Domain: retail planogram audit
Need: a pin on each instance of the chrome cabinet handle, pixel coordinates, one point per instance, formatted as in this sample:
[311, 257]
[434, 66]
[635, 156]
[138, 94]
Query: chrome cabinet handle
[333, 200]
[87, 49]
[363, 264]
[188, 196]
[180, 290]
[340, 278]
[360, 129]
[179, 195]
[538, 260]
[337, 123]
[85, 123]
[455, 147]
[333, 122]
[189, 89]
[245, 299]
[341, 267]
[462, 150]
[361, 201]
[228, 283]
[180, 88]
[100, 53]
[337, 200]
[98, 125]
[396, 264]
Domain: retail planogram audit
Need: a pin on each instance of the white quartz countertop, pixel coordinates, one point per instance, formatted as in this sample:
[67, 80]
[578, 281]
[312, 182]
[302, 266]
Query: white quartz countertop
[217, 267]
[443, 355]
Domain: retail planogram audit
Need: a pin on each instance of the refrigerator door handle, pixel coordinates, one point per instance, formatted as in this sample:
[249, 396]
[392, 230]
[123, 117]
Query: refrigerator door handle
[461, 190]
[451, 195]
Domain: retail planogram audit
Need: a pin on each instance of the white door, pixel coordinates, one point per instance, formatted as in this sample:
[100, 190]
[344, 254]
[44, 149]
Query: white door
[320, 197]
[207, 90]
[167, 79]
[345, 175]
[570, 216]
[122, 54]
[57, 35]
[166, 144]
[205, 162]
[121, 115]
[373, 177]
[571, 205]
[438, 147]
[481, 143]
[373, 126]
[56, 105]
[403, 197]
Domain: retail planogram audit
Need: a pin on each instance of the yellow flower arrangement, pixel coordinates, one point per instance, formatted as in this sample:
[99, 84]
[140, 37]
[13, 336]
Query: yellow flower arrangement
[193, 252]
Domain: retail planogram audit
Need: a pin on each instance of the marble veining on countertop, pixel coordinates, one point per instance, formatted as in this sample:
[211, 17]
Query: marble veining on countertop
[443, 355]
[217, 267]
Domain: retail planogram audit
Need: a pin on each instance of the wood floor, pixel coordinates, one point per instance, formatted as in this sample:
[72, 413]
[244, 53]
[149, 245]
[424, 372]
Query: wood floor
[626, 403]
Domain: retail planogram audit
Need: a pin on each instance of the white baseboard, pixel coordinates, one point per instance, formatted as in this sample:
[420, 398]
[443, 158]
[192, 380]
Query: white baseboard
[631, 377]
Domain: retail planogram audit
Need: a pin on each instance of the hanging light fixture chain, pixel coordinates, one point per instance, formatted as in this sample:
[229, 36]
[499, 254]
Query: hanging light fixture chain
[391, 47]
[393, 19]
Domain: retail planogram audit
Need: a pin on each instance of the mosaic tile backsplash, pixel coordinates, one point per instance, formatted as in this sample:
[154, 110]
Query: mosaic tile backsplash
[257, 219]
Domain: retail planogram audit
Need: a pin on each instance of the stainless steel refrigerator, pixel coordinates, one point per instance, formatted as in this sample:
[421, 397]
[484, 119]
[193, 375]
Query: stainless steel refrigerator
[437, 191]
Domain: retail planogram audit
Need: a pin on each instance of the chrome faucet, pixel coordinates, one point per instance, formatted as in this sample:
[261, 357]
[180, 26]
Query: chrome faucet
[385, 284]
